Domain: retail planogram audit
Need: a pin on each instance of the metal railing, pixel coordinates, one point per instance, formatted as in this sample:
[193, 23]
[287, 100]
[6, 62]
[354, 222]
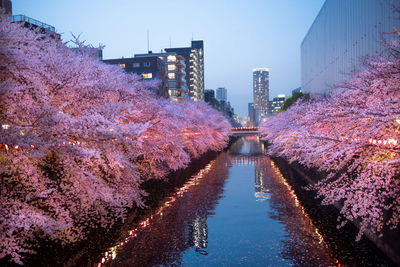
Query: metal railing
[26, 19]
[244, 129]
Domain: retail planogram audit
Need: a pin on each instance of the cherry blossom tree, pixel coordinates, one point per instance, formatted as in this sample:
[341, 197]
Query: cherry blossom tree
[353, 136]
[78, 138]
[200, 133]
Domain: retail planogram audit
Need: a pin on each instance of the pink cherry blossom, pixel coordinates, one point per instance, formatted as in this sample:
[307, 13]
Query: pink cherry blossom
[79, 137]
[353, 136]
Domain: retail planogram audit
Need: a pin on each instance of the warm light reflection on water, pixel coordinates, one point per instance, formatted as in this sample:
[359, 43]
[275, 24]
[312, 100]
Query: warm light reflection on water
[157, 216]
[238, 210]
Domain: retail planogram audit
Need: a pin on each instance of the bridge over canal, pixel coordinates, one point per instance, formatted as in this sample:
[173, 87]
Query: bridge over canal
[244, 131]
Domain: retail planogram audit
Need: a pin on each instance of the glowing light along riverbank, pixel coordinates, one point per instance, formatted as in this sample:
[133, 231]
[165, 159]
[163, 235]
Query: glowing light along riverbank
[111, 253]
[297, 203]
[238, 210]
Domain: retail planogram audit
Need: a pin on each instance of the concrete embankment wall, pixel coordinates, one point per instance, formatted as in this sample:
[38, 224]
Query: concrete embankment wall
[299, 177]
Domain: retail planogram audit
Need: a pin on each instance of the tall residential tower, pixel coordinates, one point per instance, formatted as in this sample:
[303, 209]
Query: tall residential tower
[261, 90]
[221, 94]
[194, 60]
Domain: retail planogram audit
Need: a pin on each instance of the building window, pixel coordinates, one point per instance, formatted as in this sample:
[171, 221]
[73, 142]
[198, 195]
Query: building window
[147, 75]
[171, 76]
[146, 64]
[172, 92]
[171, 67]
[122, 65]
[171, 58]
[136, 65]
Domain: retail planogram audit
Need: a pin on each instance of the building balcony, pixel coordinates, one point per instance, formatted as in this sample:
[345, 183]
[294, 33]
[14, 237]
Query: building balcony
[182, 90]
[180, 73]
[180, 64]
[33, 22]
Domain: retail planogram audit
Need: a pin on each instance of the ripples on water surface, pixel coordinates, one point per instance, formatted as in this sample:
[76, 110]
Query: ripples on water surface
[238, 210]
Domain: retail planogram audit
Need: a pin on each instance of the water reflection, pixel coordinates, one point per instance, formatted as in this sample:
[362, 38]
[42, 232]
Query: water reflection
[238, 210]
[303, 244]
[247, 146]
[198, 234]
[180, 223]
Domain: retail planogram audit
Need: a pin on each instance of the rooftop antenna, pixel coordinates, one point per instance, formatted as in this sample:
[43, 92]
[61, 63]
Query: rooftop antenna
[170, 42]
[148, 46]
[192, 36]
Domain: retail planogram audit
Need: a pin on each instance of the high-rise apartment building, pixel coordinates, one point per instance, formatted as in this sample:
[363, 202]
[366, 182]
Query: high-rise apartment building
[276, 104]
[254, 114]
[297, 90]
[209, 94]
[261, 90]
[194, 60]
[175, 73]
[342, 33]
[221, 94]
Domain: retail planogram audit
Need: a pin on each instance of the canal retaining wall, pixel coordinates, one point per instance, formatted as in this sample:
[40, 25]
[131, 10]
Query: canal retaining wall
[299, 177]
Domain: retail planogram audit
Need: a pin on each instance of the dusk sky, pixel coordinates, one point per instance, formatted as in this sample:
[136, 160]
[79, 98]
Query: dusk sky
[238, 35]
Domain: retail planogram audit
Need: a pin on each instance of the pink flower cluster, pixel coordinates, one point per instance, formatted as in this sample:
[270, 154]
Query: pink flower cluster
[78, 137]
[352, 135]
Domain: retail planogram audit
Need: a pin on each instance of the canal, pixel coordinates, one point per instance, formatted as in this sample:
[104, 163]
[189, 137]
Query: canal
[238, 210]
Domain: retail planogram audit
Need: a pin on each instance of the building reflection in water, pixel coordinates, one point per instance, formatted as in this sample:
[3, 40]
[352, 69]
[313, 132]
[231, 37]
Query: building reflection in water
[261, 191]
[247, 146]
[303, 245]
[198, 234]
[179, 223]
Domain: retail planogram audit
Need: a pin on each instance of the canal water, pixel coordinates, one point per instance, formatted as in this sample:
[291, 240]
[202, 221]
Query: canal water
[238, 210]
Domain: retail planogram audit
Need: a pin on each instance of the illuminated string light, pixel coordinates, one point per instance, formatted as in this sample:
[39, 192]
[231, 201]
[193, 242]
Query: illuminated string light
[244, 129]
[389, 141]
[111, 254]
[297, 203]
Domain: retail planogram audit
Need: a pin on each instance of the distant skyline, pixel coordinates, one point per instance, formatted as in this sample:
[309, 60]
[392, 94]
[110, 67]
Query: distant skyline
[238, 35]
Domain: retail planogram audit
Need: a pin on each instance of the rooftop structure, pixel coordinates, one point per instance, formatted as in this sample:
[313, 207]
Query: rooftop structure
[35, 24]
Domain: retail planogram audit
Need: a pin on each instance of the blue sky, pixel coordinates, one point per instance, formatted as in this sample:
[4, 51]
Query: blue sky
[238, 35]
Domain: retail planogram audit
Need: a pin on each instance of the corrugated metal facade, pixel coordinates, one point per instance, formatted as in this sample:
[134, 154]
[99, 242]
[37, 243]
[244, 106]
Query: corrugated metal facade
[343, 32]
